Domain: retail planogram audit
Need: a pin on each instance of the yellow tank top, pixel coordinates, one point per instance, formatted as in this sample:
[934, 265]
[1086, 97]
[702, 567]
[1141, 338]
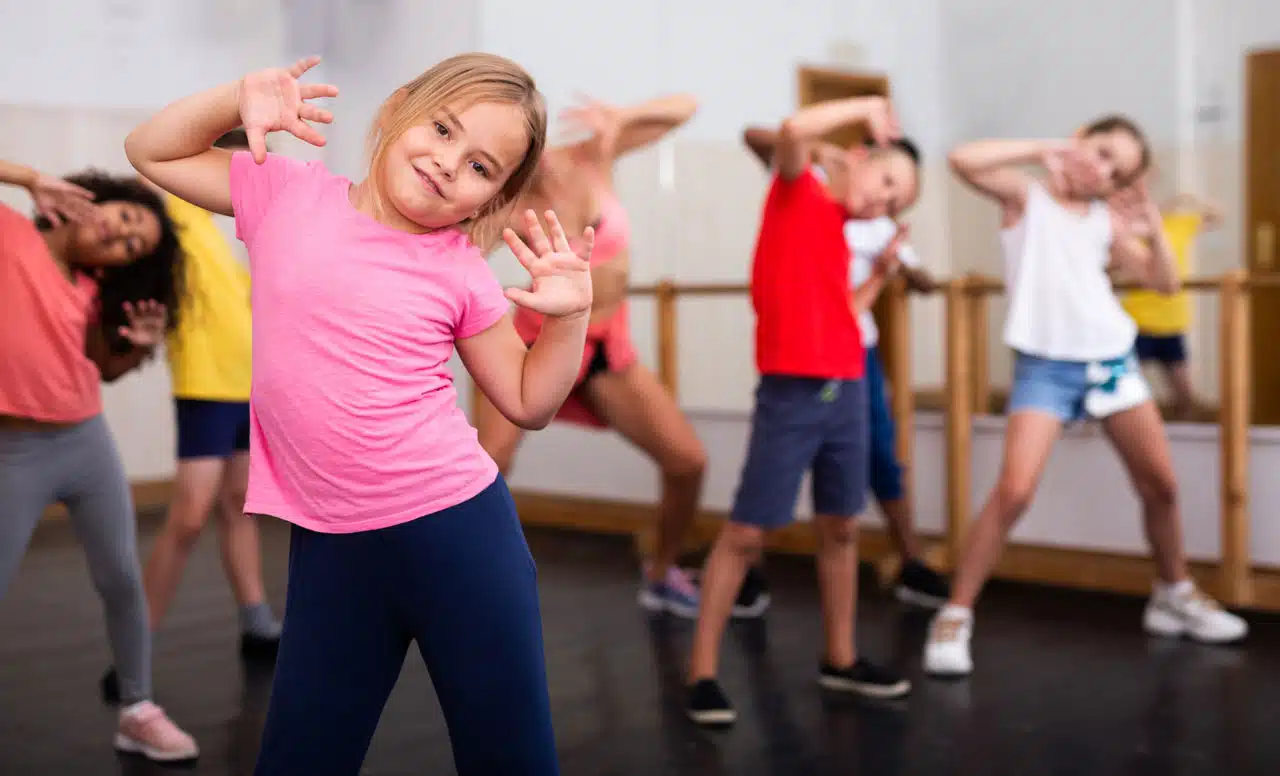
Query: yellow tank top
[210, 352]
[1167, 314]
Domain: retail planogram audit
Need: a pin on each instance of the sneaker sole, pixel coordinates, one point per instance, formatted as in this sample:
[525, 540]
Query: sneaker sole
[908, 596]
[714, 717]
[128, 745]
[657, 605]
[896, 690]
[1170, 630]
[755, 610]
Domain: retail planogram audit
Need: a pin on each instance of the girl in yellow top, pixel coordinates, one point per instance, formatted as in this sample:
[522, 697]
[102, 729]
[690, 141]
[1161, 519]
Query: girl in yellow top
[1163, 319]
[209, 355]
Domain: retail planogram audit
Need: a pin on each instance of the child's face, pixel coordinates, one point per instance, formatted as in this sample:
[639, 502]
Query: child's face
[881, 183]
[1111, 160]
[442, 172]
[122, 233]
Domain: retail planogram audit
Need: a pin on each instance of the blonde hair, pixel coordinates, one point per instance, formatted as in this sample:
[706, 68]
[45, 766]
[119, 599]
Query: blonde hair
[466, 78]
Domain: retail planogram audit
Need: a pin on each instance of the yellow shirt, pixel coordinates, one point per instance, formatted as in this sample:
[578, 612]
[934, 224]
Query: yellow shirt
[211, 350]
[1167, 314]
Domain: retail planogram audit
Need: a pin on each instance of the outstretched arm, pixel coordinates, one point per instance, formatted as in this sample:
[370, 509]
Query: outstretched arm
[617, 131]
[174, 148]
[810, 124]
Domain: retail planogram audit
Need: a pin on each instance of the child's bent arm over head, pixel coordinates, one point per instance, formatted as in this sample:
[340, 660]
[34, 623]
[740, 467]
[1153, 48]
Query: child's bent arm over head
[175, 148]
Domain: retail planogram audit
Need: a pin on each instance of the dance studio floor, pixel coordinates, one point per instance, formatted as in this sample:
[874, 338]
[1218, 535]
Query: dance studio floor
[1066, 683]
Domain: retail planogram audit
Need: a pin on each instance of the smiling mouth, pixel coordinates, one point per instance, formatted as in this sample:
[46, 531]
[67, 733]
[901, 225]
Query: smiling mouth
[430, 183]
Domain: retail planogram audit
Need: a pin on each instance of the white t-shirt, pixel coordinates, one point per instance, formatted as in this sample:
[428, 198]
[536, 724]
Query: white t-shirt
[867, 240]
[1061, 305]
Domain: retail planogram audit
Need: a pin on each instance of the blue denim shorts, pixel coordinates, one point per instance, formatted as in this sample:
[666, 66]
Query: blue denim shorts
[1060, 388]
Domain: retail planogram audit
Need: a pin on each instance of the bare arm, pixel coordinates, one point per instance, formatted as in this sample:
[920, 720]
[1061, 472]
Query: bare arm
[991, 167]
[808, 126]
[174, 148]
[831, 158]
[616, 131]
[54, 198]
[1210, 214]
[1139, 249]
[112, 366]
[527, 384]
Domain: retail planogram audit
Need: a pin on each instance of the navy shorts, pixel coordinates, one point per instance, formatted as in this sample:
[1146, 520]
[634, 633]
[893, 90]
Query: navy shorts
[1167, 349]
[805, 424]
[212, 429]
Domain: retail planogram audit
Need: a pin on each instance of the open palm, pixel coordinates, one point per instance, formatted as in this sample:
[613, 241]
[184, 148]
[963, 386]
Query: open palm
[561, 276]
[273, 100]
[146, 321]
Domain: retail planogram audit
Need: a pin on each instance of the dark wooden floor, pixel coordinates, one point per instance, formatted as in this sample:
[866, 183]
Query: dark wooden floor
[1066, 683]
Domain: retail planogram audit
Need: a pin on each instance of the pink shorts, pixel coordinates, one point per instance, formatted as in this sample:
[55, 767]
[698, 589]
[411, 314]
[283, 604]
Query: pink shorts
[608, 349]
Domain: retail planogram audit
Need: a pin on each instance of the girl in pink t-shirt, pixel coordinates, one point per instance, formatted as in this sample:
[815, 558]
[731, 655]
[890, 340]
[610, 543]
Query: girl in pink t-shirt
[403, 530]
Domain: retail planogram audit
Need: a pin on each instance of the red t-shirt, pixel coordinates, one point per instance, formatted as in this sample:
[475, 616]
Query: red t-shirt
[800, 285]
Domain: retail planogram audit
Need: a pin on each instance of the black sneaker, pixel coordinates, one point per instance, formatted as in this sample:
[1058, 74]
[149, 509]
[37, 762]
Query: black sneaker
[920, 585]
[864, 678]
[753, 597]
[707, 705]
[109, 684]
[258, 648]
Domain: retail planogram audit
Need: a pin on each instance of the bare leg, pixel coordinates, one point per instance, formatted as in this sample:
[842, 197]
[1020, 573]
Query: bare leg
[639, 407]
[1139, 438]
[837, 562]
[498, 436]
[735, 549]
[1184, 396]
[1027, 443]
[897, 515]
[238, 535]
[195, 488]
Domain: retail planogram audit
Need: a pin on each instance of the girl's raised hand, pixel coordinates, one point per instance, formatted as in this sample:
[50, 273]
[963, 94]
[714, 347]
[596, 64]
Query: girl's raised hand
[146, 323]
[272, 100]
[561, 276]
[62, 201]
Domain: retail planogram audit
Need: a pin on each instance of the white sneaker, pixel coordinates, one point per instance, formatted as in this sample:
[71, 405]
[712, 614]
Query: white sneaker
[1174, 612]
[946, 653]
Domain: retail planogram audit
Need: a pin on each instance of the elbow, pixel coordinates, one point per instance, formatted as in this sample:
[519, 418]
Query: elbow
[686, 107]
[958, 163]
[133, 150]
[533, 422]
[1168, 286]
[788, 132]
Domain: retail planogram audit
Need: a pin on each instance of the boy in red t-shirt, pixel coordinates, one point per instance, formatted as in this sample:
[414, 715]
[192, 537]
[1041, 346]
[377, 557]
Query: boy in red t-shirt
[811, 402]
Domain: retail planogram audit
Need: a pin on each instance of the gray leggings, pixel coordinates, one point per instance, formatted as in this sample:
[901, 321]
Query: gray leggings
[79, 466]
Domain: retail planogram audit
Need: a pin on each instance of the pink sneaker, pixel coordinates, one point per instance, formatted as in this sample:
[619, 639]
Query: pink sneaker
[146, 730]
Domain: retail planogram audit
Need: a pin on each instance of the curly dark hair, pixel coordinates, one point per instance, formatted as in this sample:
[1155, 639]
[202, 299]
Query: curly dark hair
[157, 276]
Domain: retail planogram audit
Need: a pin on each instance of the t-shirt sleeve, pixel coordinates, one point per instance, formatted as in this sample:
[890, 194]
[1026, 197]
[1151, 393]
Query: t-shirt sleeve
[485, 304]
[255, 186]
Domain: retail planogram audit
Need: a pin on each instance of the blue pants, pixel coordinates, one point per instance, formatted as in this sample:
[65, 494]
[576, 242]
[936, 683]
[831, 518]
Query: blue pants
[462, 584]
[804, 424]
[886, 472]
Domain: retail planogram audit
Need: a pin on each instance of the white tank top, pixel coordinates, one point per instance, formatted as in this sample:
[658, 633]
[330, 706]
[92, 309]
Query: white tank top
[1061, 305]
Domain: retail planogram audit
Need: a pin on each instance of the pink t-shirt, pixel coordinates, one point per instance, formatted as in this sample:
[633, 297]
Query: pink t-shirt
[45, 374]
[355, 420]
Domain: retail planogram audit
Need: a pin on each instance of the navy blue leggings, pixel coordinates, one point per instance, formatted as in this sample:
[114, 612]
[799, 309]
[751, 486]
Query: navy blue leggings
[462, 584]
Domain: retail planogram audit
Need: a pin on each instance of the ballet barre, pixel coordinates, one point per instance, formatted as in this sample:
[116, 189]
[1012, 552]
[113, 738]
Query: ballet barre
[967, 392]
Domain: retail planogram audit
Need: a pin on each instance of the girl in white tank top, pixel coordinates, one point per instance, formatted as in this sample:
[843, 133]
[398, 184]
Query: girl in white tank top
[1072, 342]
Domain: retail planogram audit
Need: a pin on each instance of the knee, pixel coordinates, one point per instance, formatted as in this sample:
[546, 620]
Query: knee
[835, 531]
[186, 521]
[689, 461]
[1158, 490]
[746, 541]
[232, 498]
[1012, 497]
[121, 583]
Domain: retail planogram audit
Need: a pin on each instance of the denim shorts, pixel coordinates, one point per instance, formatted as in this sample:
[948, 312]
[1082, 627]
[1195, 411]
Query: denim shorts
[1060, 388]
